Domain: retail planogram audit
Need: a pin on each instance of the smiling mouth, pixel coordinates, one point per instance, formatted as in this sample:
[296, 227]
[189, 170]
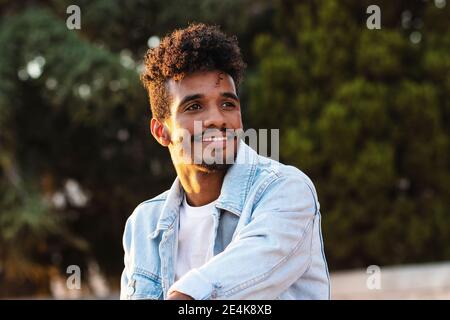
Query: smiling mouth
[214, 139]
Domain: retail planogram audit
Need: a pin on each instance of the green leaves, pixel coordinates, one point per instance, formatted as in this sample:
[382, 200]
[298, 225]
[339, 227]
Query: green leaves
[367, 119]
[64, 102]
[364, 112]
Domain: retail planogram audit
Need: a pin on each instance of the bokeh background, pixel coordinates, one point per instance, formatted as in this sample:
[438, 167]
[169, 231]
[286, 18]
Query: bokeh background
[365, 113]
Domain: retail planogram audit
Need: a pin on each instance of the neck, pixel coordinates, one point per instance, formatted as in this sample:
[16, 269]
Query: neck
[201, 187]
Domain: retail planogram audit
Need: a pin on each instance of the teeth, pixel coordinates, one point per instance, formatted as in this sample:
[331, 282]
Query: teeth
[214, 139]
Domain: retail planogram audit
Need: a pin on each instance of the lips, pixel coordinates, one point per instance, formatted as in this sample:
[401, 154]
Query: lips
[214, 139]
[217, 137]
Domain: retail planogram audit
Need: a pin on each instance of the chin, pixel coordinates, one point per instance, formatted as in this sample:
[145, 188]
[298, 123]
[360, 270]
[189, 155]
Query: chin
[214, 167]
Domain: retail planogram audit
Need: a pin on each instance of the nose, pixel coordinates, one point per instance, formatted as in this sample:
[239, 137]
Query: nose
[214, 118]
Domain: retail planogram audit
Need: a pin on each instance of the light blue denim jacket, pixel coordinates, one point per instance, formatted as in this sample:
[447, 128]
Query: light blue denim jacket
[268, 242]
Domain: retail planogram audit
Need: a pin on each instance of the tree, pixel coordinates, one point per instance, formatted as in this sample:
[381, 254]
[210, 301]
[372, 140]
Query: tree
[365, 114]
[76, 154]
[67, 109]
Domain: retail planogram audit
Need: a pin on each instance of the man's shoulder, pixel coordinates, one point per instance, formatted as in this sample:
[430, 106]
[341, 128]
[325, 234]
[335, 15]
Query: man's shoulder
[140, 225]
[278, 172]
[155, 200]
[284, 184]
[149, 210]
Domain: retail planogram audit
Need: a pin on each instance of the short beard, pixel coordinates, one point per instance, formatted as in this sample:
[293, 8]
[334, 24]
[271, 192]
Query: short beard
[214, 167]
[222, 166]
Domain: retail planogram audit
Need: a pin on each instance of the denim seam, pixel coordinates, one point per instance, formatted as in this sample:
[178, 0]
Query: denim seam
[314, 198]
[147, 274]
[265, 185]
[311, 244]
[251, 176]
[323, 256]
[230, 208]
[154, 200]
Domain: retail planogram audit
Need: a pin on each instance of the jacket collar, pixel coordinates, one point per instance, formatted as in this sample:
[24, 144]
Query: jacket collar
[238, 180]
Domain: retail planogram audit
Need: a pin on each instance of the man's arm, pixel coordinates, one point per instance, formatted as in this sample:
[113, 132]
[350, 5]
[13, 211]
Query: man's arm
[267, 255]
[126, 239]
[175, 295]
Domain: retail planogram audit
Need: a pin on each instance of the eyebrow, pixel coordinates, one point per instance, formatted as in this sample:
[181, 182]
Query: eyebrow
[191, 97]
[230, 95]
[196, 96]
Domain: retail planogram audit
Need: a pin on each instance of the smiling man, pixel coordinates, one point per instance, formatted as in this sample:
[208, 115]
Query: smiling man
[234, 224]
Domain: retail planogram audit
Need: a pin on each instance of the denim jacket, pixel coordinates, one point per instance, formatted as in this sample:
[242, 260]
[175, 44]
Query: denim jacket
[267, 230]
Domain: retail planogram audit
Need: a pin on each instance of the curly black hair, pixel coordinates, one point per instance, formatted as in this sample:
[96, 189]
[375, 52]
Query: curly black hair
[198, 47]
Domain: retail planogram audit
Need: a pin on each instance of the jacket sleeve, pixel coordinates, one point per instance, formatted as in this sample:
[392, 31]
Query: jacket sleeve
[268, 254]
[126, 247]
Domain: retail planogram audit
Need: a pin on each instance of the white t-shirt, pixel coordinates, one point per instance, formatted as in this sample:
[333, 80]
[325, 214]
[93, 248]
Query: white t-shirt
[195, 237]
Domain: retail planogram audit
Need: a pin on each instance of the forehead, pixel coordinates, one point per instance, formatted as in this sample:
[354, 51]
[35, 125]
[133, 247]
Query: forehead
[205, 83]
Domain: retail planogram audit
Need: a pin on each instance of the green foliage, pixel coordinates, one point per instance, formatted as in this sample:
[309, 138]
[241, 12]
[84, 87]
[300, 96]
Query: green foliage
[73, 113]
[365, 114]
[68, 120]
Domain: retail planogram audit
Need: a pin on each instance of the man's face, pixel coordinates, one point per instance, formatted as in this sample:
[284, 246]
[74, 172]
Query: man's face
[205, 113]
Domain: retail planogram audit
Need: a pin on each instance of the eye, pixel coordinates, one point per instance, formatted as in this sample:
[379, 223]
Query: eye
[228, 105]
[193, 107]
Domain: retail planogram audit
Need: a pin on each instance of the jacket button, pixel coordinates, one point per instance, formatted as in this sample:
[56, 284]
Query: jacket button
[131, 289]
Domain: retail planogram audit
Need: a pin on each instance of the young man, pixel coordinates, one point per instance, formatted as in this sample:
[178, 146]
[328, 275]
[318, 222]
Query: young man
[234, 225]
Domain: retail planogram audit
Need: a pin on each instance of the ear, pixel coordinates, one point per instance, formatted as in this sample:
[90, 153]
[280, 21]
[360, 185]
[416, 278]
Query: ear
[160, 132]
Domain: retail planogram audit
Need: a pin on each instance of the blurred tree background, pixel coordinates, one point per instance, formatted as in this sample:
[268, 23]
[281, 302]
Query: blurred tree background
[365, 113]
